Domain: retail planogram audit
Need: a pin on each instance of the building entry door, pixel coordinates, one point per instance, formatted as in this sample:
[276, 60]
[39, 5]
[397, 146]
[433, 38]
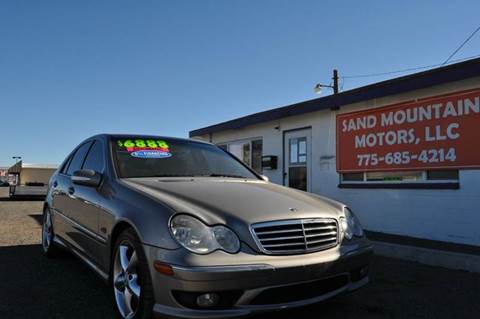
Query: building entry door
[297, 158]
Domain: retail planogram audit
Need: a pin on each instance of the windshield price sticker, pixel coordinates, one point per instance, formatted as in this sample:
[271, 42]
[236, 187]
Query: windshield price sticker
[438, 132]
[141, 148]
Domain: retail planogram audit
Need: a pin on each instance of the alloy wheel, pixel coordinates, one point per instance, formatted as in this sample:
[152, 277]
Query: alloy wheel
[125, 280]
[47, 231]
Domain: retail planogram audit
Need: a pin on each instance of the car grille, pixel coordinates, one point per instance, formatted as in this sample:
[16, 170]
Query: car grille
[296, 236]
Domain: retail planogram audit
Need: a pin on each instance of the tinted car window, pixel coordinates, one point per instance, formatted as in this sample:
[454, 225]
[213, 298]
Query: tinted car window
[65, 166]
[153, 157]
[94, 158]
[77, 160]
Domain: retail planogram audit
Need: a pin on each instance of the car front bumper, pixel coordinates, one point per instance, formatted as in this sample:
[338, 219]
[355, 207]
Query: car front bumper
[260, 283]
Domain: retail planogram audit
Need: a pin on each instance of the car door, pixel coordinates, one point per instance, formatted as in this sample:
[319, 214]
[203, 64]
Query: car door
[64, 202]
[59, 189]
[87, 205]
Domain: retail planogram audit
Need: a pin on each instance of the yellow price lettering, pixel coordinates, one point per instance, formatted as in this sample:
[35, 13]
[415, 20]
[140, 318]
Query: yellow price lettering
[128, 143]
[162, 144]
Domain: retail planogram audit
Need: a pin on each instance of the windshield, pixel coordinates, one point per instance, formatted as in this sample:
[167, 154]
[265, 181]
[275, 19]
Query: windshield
[159, 157]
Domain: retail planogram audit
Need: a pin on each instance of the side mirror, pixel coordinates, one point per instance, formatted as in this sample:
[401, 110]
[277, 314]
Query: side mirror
[265, 178]
[86, 177]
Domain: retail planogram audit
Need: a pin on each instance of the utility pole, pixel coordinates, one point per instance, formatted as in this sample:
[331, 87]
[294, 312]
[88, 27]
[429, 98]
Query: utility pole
[335, 81]
[318, 87]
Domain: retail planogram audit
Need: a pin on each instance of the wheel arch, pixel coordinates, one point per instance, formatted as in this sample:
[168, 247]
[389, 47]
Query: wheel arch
[119, 227]
[117, 230]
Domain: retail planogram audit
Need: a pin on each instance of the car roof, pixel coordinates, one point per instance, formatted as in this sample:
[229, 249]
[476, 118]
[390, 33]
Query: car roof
[121, 136]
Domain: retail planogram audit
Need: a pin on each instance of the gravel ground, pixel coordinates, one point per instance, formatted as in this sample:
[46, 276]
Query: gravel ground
[35, 287]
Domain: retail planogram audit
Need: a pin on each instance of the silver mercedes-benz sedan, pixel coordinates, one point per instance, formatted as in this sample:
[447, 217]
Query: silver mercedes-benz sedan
[181, 228]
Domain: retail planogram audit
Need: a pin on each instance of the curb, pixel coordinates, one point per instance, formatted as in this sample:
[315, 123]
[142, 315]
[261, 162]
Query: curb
[432, 257]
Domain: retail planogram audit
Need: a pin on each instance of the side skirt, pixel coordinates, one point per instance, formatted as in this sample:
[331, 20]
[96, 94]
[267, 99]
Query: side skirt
[87, 261]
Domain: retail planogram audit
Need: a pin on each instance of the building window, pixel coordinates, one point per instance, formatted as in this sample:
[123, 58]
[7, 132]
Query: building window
[430, 176]
[298, 150]
[241, 151]
[400, 176]
[257, 150]
[443, 175]
[353, 177]
[248, 151]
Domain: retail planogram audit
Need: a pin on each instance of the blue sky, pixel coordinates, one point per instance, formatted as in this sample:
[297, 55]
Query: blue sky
[71, 69]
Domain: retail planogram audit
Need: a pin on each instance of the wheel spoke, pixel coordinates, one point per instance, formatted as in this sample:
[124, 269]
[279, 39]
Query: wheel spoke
[125, 280]
[47, 230]
[47, 239]
[48, 221]
[134, 287]
[128, 303]
[132, 264]
[123, 257]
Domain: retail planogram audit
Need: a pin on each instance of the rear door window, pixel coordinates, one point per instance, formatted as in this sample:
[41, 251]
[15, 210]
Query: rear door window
[65, 166]
[77, 160]
[95, 159]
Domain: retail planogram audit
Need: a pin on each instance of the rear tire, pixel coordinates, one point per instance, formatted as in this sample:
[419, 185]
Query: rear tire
[49, 247]
[130, 278]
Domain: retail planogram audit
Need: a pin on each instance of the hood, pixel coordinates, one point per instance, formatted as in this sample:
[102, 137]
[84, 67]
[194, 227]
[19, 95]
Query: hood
[227, 201]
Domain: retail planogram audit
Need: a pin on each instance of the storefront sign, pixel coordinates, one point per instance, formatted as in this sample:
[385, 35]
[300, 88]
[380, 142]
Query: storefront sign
[438, 132]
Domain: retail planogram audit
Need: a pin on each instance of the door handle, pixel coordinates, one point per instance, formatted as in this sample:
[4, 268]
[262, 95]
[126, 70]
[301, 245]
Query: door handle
[71, 190]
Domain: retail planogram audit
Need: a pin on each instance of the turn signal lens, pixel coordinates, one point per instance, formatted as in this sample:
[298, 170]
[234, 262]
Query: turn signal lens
[163, 268]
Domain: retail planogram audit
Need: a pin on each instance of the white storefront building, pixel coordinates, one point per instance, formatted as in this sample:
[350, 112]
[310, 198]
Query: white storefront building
[403, 154]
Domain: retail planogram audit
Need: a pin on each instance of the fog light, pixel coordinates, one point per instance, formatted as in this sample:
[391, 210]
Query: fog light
[208, 300]
[359, 273]
[364, 271]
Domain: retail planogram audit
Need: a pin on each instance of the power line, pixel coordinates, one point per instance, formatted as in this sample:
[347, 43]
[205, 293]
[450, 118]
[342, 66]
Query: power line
[422, 67]
[389, 72]
[461, 46]
[407, 70]
[418, 67]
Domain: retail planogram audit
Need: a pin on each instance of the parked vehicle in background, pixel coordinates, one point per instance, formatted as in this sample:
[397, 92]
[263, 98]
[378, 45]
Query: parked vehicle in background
[31, 180]
[181, 228]
[4, 183]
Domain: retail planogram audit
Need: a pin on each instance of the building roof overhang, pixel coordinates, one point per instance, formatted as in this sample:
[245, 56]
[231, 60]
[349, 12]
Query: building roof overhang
[450, 73]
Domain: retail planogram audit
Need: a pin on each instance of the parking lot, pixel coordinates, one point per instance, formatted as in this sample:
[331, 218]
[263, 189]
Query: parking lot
[35, 287]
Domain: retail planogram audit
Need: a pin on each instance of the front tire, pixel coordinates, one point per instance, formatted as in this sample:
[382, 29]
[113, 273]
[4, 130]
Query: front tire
[131, 282]
[48, 245]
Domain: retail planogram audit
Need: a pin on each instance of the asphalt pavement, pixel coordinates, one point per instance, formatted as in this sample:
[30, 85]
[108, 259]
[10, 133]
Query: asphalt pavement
[32, 286]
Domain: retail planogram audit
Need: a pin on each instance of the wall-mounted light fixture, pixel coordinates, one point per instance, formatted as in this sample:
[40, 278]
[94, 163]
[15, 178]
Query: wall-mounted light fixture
[318, 87]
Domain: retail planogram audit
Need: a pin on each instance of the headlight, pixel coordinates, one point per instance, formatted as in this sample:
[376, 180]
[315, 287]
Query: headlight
[199, 238]
[350, 225]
